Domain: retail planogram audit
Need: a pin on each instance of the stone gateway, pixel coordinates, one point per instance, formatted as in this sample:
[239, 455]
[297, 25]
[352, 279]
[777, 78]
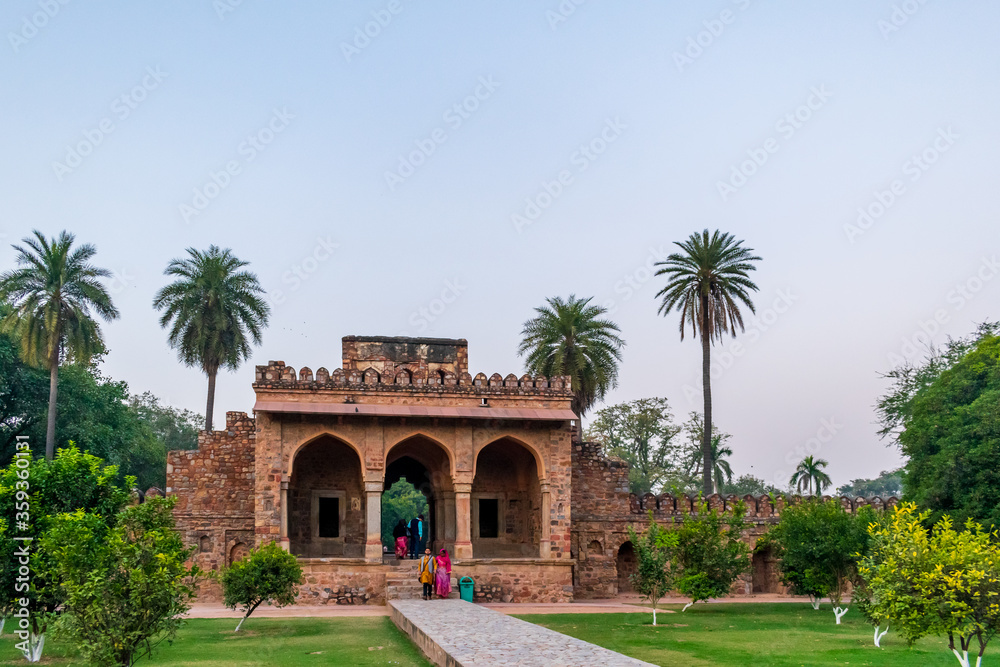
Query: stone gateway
[527, 512]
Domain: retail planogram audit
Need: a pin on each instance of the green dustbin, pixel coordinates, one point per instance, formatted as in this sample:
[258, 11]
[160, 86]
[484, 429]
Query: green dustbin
[465, 585]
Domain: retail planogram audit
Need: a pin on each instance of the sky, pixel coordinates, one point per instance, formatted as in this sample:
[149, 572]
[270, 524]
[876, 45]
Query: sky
[396, 167]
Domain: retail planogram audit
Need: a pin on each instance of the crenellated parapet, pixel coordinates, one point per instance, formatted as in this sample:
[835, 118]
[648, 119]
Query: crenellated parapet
[277, 375]
[762, 507]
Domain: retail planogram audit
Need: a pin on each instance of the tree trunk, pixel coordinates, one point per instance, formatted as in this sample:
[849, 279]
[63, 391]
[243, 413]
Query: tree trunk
[50, 428]
[706, 378]
[210, 406]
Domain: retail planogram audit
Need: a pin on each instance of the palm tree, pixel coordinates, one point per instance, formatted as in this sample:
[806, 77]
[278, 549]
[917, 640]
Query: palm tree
[722, 472]
[214, 312]
[572, 338]
[809, 473]
[707, 283]
[52, 293]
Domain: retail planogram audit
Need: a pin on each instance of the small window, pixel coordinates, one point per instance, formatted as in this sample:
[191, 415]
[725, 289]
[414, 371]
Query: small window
[329, 517]
[489, 517]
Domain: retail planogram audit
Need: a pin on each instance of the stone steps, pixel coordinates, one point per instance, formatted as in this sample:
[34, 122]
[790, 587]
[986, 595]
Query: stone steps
[404, 586]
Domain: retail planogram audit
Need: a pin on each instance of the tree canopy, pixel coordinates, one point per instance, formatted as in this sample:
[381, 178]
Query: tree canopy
[945, 416]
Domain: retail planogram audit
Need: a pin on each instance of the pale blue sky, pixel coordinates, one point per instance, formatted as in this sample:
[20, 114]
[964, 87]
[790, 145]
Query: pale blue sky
[336, 124]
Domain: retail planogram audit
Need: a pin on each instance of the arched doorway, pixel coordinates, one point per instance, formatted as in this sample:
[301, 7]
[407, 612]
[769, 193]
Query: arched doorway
[426, 465]
[506, 502]
[625, 564]
[326, 515]
[764, 575]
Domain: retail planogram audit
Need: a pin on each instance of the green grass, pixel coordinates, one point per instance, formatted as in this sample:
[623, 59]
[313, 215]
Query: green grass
[365, 640]
[749, 635]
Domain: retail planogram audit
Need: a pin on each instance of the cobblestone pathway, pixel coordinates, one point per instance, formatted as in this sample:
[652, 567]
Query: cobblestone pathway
[453, 632]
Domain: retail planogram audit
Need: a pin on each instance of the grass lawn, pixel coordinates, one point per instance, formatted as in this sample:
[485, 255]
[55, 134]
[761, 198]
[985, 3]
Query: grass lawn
[750, 635]
[366, 640]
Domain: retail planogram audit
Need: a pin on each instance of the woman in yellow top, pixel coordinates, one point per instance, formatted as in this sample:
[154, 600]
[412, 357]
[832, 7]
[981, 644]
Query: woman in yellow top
[425, 572]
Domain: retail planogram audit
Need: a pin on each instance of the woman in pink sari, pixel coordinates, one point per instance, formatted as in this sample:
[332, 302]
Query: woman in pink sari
[399, 534]
[442, 577]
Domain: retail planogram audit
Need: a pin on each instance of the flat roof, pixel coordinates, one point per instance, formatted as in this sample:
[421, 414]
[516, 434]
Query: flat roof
[406, 339]
[373, 410]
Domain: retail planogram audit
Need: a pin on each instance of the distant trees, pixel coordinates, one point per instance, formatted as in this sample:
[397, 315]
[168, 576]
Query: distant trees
[748, 485]
[574, 338]
[942, 413]
[400, 501]
[887, 485]
[641, 433]
[707, 282]
[214, 310]
[52, 294]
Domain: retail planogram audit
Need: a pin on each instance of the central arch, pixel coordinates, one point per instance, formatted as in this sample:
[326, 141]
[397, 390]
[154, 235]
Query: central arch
[427, 465]
[506, 502]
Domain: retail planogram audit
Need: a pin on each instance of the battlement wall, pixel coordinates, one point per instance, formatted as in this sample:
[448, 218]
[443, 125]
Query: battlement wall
[276, 375]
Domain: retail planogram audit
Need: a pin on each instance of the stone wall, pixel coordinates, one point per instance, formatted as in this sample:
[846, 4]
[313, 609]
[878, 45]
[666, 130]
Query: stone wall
[343, 582]
[214, 487]
[510, 580]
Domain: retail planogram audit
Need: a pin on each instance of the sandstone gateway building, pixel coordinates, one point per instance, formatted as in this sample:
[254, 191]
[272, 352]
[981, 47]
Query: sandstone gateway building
[525, 511]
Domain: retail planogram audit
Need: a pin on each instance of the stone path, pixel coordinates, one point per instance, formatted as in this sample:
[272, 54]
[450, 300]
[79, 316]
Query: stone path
[453, 632]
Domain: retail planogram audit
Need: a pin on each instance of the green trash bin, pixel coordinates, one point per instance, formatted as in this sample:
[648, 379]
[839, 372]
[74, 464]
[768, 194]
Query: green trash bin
[465, 585]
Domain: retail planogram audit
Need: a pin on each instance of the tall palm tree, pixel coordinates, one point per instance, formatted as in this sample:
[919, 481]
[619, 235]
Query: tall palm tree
[707, 283]
[52, 293]
[572, 338]
[214, 311]
[810, 473]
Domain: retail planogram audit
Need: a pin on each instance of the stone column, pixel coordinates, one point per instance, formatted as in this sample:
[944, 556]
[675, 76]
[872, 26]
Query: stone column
[463, 521]
[373, 514]
[283, 540]
[545, 544]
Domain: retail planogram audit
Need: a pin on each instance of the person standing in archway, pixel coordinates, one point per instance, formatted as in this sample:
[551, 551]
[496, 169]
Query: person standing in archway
[399, 535]
[416, 528]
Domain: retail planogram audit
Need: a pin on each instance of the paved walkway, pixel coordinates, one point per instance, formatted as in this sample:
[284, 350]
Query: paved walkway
[453, 632]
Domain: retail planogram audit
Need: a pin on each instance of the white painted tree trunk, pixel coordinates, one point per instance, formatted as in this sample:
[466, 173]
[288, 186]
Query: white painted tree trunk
[963, 657]
[687, 605]
[814, 601]
[35, 645]
[238, 625]
[2, 621]
[839, 613]
[654, 616]
[879, 635]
